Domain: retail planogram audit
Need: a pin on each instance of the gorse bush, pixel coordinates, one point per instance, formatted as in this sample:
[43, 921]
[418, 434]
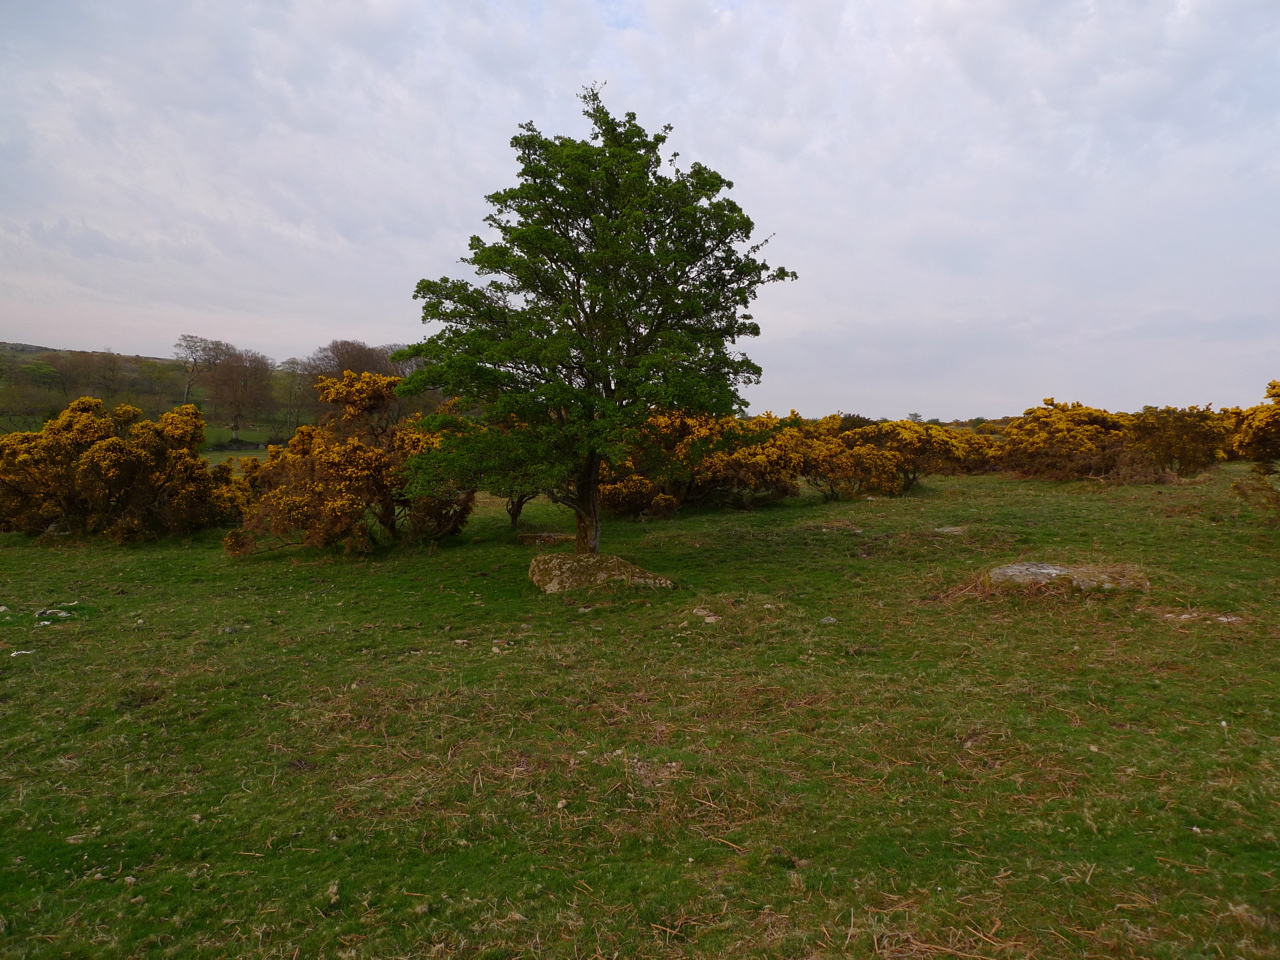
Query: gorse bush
[1063, 441]
[1070, 441]
[91, 471]
[841, 464]
[921, 448]
[678, 459]
[1257, 438]
[1183, 441]
[343, 482]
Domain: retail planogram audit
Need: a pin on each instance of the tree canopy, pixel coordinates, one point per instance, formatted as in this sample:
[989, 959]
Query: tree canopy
[618, 285]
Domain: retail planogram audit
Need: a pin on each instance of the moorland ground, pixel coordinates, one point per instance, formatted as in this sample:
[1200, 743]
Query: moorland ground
[416, 753]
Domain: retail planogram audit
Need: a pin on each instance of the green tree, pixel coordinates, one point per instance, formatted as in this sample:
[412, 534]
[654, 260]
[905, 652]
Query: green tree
[619, 285]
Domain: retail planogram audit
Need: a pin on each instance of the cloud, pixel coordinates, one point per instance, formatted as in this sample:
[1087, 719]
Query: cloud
[976, 194]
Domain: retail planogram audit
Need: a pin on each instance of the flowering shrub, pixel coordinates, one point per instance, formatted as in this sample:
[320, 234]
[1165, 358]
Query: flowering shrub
[340, 481]
[1064, 441]
[840, 466]
[89, 471]
[1184, 441]
[920, 448]
[1257, 435]
[1061, 441]
[1257, 438]
[679, 459]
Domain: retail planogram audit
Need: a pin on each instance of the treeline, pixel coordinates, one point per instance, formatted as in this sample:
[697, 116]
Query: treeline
[235, 388]
[370, 470]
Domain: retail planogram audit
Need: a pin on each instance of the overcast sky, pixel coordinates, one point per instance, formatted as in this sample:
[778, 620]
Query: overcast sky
[988, 201]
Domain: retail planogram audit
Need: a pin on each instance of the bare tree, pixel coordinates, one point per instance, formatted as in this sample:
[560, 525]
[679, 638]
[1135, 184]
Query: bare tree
[293, 394]
[240, 386]
[338, 356]
[198, 356]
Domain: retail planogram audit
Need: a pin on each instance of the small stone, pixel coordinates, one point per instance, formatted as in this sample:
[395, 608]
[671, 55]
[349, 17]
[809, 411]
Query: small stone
[951, 531]
[562, 804]
[712, 619]
[827, 620]
[701, 612]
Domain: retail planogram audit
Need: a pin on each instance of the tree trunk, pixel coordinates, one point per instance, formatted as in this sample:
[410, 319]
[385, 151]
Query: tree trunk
[515, 506]
[587, 506]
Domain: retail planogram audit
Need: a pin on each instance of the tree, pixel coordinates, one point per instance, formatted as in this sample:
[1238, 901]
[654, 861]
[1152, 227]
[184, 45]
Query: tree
[290, 386]
[618, 288]
[240, 386]
[338, 356]
[198, 356]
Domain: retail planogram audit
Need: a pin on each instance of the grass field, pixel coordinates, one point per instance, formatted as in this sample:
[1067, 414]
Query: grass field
[418, 754]
[220, 435]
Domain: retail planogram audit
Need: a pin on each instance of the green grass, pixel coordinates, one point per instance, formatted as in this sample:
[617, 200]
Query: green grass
[220, 435]
[418, 754]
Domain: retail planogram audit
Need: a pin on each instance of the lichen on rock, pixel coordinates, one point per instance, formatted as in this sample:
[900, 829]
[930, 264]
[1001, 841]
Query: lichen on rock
[1081, 577]
[557, 572]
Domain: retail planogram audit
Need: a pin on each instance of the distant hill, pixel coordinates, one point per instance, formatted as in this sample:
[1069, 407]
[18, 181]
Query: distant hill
[27, 349]
[37, 382]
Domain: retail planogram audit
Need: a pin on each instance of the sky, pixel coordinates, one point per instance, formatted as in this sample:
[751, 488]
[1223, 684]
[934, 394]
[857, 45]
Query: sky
[988, 202]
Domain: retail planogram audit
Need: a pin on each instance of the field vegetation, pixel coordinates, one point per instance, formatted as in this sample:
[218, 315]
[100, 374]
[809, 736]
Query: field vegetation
[310, 703]
[828, 740]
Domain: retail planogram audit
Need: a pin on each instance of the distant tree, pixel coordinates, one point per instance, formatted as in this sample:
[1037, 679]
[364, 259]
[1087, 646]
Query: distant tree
[198, 356]
[851, 421]
[338, 356]
[109, 378]
[293, 394]
[42, 374]
[618, 288]
[239, 386]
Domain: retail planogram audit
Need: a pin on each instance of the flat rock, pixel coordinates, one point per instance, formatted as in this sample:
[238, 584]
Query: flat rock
[538, 539]
[556, 572]
[1080, 577]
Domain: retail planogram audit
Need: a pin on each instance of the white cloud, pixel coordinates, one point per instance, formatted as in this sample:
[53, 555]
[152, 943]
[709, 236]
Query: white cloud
[988, 202]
